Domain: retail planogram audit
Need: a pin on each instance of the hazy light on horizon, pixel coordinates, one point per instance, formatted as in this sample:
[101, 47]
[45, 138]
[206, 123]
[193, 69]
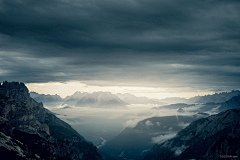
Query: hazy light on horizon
[70, 87]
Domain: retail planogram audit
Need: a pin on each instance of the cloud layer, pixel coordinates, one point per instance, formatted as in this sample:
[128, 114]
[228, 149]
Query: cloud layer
[166, 43]
[163, 138]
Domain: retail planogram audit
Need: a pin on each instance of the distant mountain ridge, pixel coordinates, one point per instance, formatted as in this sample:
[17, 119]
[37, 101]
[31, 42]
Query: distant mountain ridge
[132, 99]
[233, 103]
[216, 98]
[27, 131]
[82, 99]
[107, 99]
[46, 99]
[95, 99]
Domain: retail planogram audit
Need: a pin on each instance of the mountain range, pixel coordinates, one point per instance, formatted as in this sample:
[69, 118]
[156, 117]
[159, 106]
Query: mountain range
[95, 99]
[48, 100]
[28, 131]
[132, 99]
[136, 143]
[216, 98]
[233, 103]
[109, 100]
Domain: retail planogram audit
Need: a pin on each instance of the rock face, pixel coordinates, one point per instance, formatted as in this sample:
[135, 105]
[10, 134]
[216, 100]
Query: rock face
[15, 90]
[27, 131]
[136, 142]
[206, 138]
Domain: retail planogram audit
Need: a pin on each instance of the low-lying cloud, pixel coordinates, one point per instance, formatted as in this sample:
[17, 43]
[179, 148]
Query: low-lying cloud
[163, 138]
[148, 123]
[183, 125]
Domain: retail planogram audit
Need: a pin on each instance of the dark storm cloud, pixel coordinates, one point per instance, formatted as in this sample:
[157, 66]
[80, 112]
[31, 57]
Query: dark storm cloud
[171, 43]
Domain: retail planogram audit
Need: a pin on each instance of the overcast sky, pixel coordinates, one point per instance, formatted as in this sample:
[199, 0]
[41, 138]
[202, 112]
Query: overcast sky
[186, 47]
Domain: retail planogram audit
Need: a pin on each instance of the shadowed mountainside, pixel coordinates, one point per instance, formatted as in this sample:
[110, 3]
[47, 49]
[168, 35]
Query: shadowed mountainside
[28, 131]
[136, 142]
[206, 138]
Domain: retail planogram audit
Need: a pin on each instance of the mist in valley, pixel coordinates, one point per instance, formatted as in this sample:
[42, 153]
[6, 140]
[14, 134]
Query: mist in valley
[98, 125]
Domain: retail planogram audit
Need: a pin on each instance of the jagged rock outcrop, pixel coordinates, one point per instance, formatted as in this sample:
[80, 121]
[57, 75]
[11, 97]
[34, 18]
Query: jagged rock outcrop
[207, 138]
[15, 90]
[27, 131]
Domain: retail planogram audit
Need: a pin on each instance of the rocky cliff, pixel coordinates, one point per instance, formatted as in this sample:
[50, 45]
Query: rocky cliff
[27, 131]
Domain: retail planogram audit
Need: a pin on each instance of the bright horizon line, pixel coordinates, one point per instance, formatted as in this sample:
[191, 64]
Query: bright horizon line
[69, 88]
